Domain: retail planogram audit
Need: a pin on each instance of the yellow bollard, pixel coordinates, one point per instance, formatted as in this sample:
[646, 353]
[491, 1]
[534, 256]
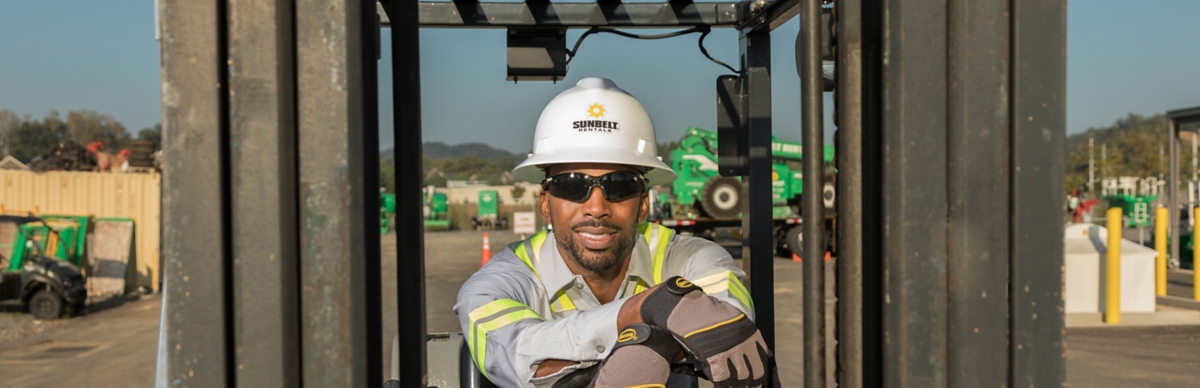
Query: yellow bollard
[1112, 292]
[1160, 245]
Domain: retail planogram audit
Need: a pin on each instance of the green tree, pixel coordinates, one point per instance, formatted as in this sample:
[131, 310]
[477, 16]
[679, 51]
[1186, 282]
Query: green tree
[437, 180]
[31, 139]
[153, 134]
[504, 164]
[85, 126]
[387, 174]
[9, 121]
[517, 192]
[1135, 146]
[664, 150]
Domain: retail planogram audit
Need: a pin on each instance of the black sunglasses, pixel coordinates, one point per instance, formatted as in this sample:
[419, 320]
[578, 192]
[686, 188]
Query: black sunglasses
[577, 187]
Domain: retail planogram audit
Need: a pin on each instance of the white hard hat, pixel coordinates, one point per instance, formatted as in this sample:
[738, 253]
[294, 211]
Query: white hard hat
[594, 122]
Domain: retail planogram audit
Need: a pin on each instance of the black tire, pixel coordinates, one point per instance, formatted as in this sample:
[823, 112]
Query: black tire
[46, 305]
[722, 197]
[795, 240]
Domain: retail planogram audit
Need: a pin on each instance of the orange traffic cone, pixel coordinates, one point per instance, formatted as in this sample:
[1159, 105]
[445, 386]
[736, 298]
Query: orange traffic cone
[797, 259]
[487, 251]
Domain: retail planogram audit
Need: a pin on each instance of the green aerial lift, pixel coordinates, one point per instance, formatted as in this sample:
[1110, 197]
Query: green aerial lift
[1135, 208]
[436, 209]
[387, 208]
[700, 200]
[488, 216]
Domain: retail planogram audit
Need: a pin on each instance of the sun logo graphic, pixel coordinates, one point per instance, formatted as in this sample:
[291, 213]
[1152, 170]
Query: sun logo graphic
[596, 110]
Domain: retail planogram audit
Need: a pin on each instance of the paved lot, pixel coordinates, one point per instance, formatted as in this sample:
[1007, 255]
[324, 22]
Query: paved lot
[116, 347]
[1134, 357]
[110, 348]
[1180, 284]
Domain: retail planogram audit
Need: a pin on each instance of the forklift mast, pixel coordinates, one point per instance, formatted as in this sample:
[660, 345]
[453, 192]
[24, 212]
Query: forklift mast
[950, 125]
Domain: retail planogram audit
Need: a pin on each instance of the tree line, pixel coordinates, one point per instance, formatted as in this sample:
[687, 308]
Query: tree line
[26, 138]
[1134, 145]
[437, 172]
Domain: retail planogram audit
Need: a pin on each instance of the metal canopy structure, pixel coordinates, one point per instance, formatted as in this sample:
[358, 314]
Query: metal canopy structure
[950, 158]
[1176, 120]
[468, 14]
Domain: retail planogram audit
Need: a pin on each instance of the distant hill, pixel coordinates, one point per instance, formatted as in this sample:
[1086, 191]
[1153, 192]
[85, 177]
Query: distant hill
[1134, 143]
[438, 150]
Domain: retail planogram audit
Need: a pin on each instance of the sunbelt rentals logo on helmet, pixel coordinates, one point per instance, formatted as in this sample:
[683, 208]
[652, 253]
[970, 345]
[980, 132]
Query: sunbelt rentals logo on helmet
[596, 111]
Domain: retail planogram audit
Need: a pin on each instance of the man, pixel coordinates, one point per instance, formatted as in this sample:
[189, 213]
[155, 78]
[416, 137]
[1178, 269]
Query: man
[604, 300]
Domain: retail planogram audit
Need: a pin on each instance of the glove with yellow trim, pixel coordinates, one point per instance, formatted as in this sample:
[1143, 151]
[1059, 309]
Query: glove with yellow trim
[721, 342]
[641, 358]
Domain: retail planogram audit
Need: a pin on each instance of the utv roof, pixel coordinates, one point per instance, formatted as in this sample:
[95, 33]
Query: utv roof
[19, 219]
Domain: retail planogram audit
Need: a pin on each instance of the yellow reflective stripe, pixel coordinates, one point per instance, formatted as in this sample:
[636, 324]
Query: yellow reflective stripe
[660, 254]
[562, 302]
[725, 281]
[639, 288]
[644, 229]
[714, 283]
[489, 317]
[739, 291]
[537, 240]
[524, 256]
[491, 308]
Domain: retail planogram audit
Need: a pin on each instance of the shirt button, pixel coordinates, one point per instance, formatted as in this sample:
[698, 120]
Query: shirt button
[600, 349]
[579, 286]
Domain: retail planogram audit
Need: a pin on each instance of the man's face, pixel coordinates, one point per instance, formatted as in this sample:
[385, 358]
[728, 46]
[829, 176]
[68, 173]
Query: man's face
[596, 234]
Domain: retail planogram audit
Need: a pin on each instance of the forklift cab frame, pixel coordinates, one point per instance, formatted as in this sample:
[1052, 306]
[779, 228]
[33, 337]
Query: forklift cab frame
[950, 129]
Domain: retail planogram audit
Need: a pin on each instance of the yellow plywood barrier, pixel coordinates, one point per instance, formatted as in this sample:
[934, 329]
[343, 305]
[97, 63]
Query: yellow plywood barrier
[135, 196]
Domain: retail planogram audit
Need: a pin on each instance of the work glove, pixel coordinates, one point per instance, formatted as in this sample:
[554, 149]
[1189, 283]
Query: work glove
[722, 343]
[641, 358]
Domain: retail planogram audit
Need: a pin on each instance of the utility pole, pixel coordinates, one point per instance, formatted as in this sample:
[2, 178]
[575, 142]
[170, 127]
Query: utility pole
[1103, 160]
[1194, 178]
[1091, 165]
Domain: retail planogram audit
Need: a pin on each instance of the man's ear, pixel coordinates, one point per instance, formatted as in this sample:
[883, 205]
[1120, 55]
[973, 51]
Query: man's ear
[644, 209]
[544, 206]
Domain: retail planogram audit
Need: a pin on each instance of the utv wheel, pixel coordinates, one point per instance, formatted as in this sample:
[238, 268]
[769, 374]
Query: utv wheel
[46, 305]
[722, 197]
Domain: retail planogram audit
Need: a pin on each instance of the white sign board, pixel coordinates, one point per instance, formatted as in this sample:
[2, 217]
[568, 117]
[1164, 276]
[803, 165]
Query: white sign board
[524, 223]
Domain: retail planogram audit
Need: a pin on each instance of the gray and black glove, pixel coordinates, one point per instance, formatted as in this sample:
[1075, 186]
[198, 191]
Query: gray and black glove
[719, 339]
[641, 358]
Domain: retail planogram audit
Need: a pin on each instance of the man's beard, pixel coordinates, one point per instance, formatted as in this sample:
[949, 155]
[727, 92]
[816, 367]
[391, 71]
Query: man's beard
[598, 261]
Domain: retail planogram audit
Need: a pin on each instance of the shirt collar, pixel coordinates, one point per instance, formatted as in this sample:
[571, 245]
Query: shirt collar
[556, 275]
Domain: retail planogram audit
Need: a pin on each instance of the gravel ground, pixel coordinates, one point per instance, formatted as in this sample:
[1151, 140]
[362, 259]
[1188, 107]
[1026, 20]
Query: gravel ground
[15, 325]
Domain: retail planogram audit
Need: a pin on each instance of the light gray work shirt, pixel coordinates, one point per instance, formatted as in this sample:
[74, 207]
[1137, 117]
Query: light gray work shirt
[526, 306]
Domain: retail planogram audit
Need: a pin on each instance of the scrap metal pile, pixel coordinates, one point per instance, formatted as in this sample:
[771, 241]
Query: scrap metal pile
[71, 156]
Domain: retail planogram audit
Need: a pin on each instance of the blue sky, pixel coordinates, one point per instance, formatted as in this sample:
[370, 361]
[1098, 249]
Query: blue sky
[102, 56]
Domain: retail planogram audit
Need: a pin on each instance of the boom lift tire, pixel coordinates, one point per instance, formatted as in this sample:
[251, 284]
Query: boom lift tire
[722, 197]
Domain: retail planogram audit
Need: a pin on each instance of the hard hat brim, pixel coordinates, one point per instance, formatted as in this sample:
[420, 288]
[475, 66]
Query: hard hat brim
[532, 169]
